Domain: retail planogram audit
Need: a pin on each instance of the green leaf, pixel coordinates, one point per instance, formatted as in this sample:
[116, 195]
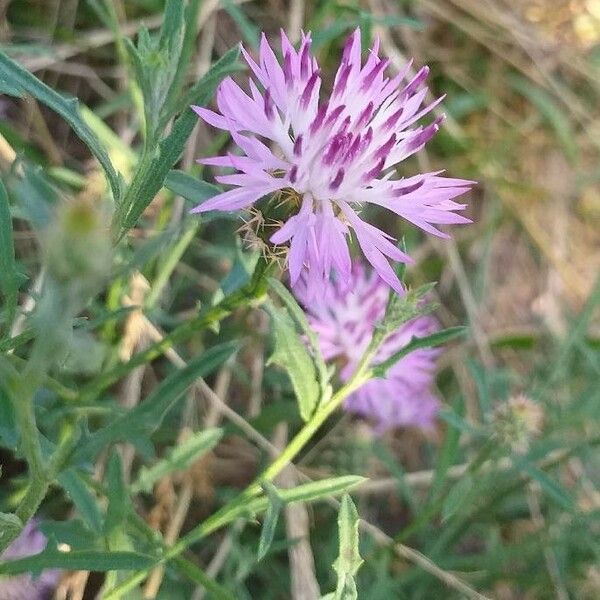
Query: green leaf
[17, 81]
[84, 500]
[430, 341]
[553, 488]
[73, 532]
[401, 309]
[267, 533]
[118, 496]
[78, 560]
[198, 576]
[291, 354]
[458, 496]
[179, 458]
[349, 560]
[152, 172]
[309, 492]
[191, 188]
[8, 429]
[300, 318]
[10, 528]
[147, 416]
[9, 275]
[249, 31]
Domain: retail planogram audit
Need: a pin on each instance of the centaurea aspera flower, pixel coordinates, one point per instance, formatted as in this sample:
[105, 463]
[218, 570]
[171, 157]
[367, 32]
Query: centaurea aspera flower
[25, 587]
[334, 156]
[344, 319]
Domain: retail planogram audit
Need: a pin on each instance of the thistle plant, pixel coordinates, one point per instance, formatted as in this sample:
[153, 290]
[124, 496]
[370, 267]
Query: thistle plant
[175, 391]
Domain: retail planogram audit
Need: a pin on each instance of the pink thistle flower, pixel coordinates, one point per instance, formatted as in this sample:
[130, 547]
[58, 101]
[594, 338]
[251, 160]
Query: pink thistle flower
[25, 587]
[344, 320]
[335, 156]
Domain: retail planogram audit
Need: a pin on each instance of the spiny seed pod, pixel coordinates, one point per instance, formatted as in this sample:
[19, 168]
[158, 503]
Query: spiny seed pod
[517, 421]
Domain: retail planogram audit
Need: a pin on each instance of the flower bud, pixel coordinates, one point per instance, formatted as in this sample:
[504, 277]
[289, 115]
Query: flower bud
[78, 247]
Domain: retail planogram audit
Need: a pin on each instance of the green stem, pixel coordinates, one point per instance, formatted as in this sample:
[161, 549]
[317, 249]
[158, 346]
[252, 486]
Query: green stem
[238, 506]
[30, 444]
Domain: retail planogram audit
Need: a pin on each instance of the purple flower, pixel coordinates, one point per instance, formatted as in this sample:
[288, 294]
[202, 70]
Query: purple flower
[344, 320]
[332, 156]
[25, 587]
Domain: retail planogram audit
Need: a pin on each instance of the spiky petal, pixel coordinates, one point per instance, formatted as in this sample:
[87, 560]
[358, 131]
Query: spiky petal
[344, 319]
[336, 155]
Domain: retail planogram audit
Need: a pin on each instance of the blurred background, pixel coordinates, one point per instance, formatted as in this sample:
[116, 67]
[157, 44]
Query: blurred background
[522, 79]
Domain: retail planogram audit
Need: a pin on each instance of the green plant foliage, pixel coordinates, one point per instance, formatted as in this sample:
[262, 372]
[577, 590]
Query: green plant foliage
[165, 396]
[291, 354]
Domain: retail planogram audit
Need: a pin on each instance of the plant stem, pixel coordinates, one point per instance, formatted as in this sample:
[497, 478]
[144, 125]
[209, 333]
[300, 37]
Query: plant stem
[238, 506]
[30, 444]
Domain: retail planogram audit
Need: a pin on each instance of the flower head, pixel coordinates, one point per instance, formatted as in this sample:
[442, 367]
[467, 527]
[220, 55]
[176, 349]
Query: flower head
[333, 155]
[25, 587]
[344, 320]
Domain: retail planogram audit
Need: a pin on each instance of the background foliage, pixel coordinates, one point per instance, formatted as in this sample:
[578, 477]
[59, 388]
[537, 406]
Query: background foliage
[139, 334]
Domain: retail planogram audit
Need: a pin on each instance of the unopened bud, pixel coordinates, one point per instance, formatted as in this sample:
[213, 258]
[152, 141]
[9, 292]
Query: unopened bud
[78, 247]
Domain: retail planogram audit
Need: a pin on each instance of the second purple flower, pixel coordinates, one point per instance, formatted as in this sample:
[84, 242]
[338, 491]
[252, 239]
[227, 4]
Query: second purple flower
[332, 156]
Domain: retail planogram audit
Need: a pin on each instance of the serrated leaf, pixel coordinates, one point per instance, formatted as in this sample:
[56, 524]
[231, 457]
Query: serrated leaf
[79, 560]
[349, 560]
[179, 458]
[291, 354]
[9, 275]
[191, 188]
[17, 81]
[147, 416]
[430, 341]
[267, 533]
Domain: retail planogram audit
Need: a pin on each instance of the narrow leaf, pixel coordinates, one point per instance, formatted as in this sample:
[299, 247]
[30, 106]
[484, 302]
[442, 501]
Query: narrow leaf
[150, 177]
[553, 488]
[459, 495]
[82, 498]
[17, 81]
[349, 560]
[9, 276]
[118, 496]
[10, 528]
[147, 416]
[430, 341]
[271, 517]
[291, 354]
[80, 560]
[309, 492]
[191, 188]
[178, 458]
[299, 317]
